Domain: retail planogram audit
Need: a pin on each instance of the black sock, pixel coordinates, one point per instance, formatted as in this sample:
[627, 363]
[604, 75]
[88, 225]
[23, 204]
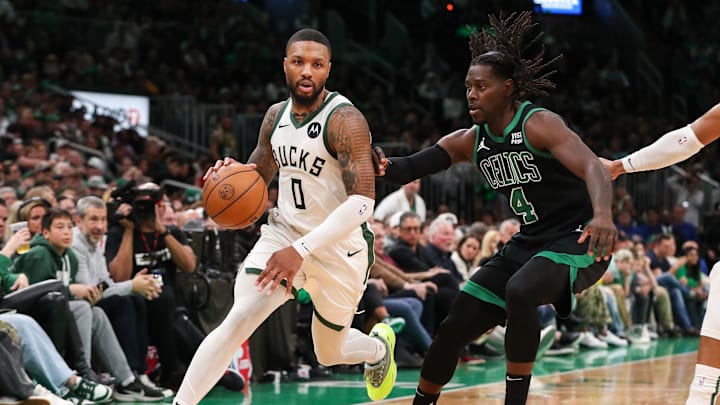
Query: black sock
[424, 398]
[516, 389]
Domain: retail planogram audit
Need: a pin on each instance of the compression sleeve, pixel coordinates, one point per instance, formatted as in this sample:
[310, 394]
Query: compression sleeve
[673, 147]
[352, 213]
[402, 170]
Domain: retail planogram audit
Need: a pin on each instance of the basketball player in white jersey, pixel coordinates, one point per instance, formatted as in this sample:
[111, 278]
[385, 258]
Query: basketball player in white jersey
[318, 236]
[671, 148]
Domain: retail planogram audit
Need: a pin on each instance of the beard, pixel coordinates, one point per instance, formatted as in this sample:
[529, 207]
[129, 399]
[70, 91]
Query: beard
[302, 99]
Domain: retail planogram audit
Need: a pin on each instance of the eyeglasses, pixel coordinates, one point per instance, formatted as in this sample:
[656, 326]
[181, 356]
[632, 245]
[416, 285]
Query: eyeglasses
[410, 228]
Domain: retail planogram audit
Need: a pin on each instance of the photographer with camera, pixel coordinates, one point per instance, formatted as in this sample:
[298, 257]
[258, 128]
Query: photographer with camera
[138, 240]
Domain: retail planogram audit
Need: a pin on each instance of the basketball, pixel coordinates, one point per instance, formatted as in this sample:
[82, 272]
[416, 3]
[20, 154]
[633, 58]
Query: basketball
[235, 196]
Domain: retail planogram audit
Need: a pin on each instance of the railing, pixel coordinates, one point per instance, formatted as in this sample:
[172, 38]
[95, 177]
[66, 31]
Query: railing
[678, 108]
[649, 91]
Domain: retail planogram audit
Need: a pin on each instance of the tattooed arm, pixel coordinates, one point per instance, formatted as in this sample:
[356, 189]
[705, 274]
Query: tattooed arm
[349, 138]
[262, 155]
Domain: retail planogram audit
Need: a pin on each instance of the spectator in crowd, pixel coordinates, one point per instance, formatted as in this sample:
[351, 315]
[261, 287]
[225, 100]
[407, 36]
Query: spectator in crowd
[406, 198]
[665, 275]
[508, 228]
[465, 256]
[690, 275]
[489, 245]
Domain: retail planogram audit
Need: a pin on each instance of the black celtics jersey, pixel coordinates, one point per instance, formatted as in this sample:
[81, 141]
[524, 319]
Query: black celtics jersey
[546, 197]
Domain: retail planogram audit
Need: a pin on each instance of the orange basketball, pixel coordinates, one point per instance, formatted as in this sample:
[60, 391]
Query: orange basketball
[235, 196]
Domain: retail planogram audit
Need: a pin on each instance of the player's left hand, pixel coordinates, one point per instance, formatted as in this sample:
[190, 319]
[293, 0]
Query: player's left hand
[603, 237]
[282, 265]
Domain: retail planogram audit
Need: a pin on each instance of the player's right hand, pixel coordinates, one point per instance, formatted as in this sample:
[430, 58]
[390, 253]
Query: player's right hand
[225, 162]
[380, 162]
[603, 237]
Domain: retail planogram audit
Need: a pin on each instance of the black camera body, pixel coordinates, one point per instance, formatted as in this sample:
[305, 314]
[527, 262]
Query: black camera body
[142, 202]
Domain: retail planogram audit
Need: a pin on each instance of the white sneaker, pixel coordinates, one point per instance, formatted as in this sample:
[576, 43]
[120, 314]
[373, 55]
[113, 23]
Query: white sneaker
[613, 340]
[43, 392]
[589, 340]
[639, 335]
[145, 380]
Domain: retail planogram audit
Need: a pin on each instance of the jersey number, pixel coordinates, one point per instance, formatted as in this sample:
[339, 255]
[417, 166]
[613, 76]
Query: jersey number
[521, 206]
[298, 195]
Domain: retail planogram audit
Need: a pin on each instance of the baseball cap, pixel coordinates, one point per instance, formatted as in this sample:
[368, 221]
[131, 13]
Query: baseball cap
[97, 182]
[449, 217]
[96, 162]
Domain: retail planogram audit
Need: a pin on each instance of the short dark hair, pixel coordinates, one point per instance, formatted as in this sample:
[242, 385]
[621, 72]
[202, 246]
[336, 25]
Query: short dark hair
[52, 215]
[309, 34]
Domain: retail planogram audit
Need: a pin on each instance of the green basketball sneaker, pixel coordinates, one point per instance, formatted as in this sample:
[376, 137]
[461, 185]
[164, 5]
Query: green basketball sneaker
[380, 377]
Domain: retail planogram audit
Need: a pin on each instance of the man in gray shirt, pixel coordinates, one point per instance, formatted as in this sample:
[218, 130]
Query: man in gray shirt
[122, 302]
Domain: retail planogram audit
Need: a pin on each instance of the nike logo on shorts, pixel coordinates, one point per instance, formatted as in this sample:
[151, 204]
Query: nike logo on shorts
[353, 253]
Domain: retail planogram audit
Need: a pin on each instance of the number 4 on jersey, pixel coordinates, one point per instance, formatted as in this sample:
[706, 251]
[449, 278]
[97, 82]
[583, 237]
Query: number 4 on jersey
[521, 206]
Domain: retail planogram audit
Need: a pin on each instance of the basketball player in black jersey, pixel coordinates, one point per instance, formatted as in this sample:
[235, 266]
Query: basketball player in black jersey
[557, 188]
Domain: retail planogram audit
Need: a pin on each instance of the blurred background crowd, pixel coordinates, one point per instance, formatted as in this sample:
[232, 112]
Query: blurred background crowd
[631, 70]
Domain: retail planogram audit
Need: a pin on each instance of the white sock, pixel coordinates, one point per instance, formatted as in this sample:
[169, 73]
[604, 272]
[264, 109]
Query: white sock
[128, 381]
[704, 386]
[380, 353]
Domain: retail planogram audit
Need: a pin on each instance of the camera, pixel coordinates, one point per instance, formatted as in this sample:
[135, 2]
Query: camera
[142, 203]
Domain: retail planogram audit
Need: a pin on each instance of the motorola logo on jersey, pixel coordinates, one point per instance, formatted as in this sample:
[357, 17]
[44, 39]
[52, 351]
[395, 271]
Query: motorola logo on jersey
[314, 129]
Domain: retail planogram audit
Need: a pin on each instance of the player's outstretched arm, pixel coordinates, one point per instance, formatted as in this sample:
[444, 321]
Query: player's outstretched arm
[673, 147]
[547, 131]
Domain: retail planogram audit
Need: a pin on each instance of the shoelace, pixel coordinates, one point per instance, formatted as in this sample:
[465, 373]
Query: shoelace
[375, 373]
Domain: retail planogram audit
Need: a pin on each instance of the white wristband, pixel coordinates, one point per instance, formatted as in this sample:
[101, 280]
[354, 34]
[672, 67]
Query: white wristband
[671, 148]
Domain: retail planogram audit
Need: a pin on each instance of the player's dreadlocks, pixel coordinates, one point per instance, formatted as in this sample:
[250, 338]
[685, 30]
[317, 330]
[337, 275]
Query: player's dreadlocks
[502, 48]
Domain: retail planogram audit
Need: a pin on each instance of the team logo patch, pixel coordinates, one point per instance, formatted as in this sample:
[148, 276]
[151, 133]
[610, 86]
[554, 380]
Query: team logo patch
[314, 130]
[226, 191]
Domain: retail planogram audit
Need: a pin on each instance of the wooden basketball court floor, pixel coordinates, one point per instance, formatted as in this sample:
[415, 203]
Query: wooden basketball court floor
[654, 374]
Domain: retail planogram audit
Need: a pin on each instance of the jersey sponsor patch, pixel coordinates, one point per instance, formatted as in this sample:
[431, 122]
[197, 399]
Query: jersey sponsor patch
[314, 129]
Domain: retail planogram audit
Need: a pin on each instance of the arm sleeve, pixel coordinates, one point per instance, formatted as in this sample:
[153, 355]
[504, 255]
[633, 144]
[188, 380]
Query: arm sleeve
[402, 170]
[671, 148]
[349, 215]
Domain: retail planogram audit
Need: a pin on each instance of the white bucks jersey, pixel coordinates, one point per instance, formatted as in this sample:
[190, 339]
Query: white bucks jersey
[310, 185]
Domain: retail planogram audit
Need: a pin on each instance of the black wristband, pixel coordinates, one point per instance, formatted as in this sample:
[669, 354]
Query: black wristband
[166, 233]
[402, 170]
